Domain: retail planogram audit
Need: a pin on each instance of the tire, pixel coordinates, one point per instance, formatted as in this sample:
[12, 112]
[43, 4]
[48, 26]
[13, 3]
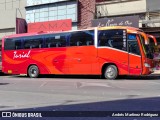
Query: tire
[33, 71]
[111, 72]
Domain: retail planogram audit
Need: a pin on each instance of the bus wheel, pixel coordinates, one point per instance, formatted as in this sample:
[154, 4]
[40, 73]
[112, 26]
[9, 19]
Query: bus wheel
[33, 71]
[111, 72]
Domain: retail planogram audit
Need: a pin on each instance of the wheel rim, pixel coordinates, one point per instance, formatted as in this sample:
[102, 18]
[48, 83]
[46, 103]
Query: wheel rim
[110, 72]
[33, 71]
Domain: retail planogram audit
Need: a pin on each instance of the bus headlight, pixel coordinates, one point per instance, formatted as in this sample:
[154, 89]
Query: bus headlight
[147, 65]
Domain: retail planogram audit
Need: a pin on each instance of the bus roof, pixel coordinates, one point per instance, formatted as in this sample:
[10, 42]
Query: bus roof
[120, 27]
[129, 29]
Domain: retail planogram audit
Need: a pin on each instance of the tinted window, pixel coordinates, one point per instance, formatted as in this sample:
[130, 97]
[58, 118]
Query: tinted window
[152, 44]
[13, 44]
[151, 41]
[56, 40]
[146, 48]
[133, 44]
[82, 38]
[18, 44]
[33, 42]
[112, 38]
[9, 44]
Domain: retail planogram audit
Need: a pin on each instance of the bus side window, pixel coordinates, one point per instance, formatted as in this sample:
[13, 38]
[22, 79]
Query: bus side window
[134, 48]
[61, 42]
[133, 44]
[50, 41]
[33, 42]
[9, 44]
[27, 45]
[56, 40]
[18, 44]
[112, 38]
[82, 38]
[104, 41]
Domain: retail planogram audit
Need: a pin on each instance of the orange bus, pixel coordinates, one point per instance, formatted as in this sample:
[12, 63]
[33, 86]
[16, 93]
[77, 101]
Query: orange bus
[0, 62]
[0, 57]
[107, 51]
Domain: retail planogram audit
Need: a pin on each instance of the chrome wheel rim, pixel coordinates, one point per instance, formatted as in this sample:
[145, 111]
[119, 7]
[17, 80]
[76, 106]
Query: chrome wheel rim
[33, 72]
[110, 72]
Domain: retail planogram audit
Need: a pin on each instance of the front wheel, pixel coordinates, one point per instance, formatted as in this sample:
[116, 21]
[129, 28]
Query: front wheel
[33, 71]
[111, 72]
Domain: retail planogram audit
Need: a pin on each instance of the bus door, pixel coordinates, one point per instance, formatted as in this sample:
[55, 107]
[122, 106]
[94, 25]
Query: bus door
[134, 56]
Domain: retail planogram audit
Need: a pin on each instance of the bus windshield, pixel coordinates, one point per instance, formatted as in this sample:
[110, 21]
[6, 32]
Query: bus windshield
[153, 43]
[146, 48]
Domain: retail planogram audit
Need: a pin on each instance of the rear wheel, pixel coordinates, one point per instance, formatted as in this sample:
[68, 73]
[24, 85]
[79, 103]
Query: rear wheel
[33, 71]
[111, 72]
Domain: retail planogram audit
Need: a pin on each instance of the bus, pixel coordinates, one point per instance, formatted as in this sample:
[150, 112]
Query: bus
[0, 57]
[0, 62]
[106, 51]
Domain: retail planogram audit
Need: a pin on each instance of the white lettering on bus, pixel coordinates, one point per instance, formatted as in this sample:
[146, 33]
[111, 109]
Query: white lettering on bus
[23, 55]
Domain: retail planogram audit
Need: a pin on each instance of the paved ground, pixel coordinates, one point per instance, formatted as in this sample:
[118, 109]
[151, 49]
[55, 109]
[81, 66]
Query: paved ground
[80, 93]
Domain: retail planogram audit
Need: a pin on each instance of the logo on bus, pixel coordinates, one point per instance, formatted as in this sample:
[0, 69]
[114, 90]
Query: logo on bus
[21, 55]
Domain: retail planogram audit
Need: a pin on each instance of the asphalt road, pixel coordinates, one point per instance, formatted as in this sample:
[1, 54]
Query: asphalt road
[80, 93]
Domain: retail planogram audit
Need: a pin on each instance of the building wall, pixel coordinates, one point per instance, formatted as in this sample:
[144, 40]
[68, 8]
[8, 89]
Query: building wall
[114, 7]
[8, 19]
[86, 13]
[9, 10]
[81, 14]
[50, 10]
[148, 10]
[153, 13]
[153, 5]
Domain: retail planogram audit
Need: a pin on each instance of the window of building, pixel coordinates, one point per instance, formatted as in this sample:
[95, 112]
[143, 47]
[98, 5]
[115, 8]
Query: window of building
[54, 11]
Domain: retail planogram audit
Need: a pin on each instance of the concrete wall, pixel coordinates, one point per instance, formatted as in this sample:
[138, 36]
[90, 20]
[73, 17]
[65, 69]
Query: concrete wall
[121, 8]
[5, 32]
[153, 5]
[40, 2]
[8, 19]
[9, 10]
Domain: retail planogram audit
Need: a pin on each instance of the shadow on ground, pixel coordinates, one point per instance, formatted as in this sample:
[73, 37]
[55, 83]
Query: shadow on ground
[147, 77]
[86, 109]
